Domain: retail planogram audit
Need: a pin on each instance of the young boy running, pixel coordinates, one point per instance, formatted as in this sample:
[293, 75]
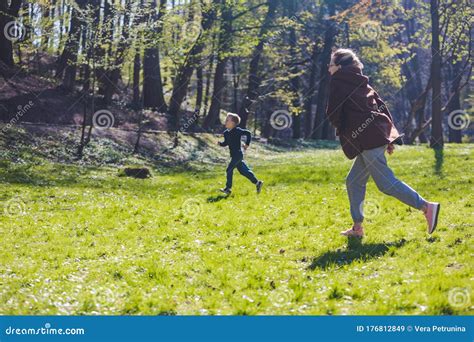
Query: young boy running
[232, 138]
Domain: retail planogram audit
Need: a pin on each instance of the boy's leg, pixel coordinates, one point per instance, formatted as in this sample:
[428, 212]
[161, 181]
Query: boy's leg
[387, 182]
[356, 182]
[245, 171]
[230, 171]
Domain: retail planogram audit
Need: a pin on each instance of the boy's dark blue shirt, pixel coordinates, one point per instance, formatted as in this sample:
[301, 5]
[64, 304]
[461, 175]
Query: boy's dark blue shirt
[232, 138]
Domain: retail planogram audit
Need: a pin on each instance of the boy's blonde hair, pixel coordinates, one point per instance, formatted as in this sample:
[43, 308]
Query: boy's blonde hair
[234, 117]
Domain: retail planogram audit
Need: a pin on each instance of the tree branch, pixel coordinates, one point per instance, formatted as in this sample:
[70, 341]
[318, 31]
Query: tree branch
[238, 15]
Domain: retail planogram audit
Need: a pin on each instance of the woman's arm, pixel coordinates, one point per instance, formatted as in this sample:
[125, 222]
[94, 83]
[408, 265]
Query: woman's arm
[335, 104]
[395, 136]
[382, 106]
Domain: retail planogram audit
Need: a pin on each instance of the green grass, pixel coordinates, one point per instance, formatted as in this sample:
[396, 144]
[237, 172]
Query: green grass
[79, 239]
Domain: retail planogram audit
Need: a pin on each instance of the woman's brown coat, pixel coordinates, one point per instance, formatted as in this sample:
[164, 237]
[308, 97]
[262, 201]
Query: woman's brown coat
[361, 118]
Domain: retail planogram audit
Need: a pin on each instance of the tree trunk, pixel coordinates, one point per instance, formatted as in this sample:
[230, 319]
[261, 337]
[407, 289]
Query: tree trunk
[415, 85]
[292, 7]
[212, 118]
[455, 135]
[86, 70]
[47, 12]
[415, 107]
[116, 58]
[208, 77]
[137, 102]
[235, 87]
[199, 90]
[311, 94]
[411, 92]
[321, 104]
[67, 64]
[152, 86]
[136, 80]
[254, 79]
[108, 76]
[224, 43]
[436, 123]
[181, 82]
[153, 94]
[7, 14]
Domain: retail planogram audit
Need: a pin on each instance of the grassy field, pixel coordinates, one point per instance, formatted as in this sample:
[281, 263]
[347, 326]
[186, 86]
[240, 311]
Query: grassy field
[78, 239]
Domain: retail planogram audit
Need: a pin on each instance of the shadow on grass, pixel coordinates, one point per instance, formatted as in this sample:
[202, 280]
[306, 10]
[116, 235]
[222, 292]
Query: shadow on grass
[439, 160]
[213, 199]
[356, 250]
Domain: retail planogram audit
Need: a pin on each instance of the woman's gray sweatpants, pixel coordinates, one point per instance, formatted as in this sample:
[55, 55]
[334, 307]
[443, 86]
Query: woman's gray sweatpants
[373, 163]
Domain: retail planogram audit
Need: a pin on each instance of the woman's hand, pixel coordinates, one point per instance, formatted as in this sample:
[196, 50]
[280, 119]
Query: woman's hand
[390, 148]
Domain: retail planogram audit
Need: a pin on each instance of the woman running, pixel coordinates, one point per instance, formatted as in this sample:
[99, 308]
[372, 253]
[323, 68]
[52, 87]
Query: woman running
[366, 130]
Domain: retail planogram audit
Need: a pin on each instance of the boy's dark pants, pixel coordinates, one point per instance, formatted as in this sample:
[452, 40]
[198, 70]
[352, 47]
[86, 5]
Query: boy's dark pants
[238, 163]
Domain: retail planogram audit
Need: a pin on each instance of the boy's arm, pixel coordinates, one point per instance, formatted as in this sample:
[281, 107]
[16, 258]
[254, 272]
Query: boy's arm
[225, 142]
[248, 136]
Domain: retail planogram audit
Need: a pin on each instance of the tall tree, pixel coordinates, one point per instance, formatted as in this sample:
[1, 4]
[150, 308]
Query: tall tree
[106, 66]
[210, 68]
[153, 94]
[137, 59]
[436, 122]
[310, 93]
[292, 8]
[329, 36]
[223, 47]
[67, 63]
[193, 59]
[199, 89]
[117, 39]
[8, 15]
[454, 103]
[254, 77]
[413, 69]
